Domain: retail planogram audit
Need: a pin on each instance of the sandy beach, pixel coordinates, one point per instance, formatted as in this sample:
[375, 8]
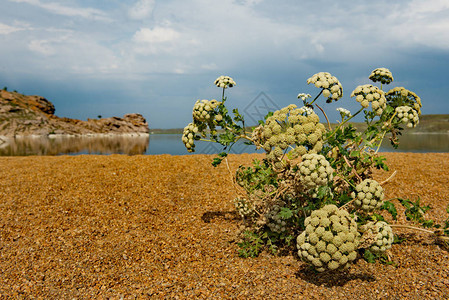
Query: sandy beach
[127, 227]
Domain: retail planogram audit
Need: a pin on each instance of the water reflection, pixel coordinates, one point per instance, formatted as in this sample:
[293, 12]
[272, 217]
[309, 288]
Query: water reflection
[428, 142]
[172, 144]
[104, 144]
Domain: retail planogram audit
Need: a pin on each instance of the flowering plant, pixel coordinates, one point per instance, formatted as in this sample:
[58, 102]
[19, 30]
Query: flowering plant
[315, 184]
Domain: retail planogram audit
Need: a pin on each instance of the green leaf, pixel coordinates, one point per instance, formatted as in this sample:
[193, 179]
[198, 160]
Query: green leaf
[397, 239]
[415, 212]
[227, 138]
[324, 191]
[223, 154]
[251, 245]
[428, 223]
[285, 213]
[377, 217]
[237, 116]
[369, 256]
[389, 207]
[379, 162]
[216, 161]
[268, 115]
[355, 154]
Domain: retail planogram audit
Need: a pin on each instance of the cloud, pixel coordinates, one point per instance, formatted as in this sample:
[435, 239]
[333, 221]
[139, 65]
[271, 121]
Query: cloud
[175, 46]
[6, 29]
[210, 66]
[56, 8]
[71, 54]
[155, 41]
[156, 35]
[248, 2]
[42, 46]
[141, 9]
[422, 23]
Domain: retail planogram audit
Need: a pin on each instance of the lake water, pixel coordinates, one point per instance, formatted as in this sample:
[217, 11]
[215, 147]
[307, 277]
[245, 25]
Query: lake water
[172, 144]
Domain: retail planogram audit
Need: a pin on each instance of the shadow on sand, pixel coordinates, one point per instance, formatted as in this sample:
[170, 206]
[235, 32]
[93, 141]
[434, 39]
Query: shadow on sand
[330, 279]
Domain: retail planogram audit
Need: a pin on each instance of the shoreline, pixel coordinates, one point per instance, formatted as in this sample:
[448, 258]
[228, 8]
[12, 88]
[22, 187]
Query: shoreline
[63, 135]
[55, 144]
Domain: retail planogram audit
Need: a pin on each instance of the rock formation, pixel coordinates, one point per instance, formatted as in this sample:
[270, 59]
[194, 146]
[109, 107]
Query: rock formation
[22, 115]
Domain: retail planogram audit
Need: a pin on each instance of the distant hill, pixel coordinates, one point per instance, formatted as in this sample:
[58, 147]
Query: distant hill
[433, 123]
[22, 115]
[427, 124]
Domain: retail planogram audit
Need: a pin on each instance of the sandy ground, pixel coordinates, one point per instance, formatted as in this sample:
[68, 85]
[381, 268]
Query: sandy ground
[83, 227]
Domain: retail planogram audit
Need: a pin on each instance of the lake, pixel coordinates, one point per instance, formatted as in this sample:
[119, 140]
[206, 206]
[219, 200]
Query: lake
[172, 144]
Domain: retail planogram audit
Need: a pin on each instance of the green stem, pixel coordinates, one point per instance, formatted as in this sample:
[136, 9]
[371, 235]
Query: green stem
[383, 134]
[204, 140]
[347, 181]
[316, 97]
[380, 142]
[238, 135]
[344, 122]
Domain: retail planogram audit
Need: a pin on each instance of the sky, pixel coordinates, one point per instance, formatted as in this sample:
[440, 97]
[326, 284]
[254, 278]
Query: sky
[156, 58]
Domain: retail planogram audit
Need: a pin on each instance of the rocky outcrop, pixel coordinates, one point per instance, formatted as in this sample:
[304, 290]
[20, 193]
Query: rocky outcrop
[22, 115]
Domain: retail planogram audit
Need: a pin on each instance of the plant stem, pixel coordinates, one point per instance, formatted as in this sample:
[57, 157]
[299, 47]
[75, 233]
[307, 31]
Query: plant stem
[353, 170]
[342, 123]
[328, 123]
[316, 97]
[380, 142]
[383, 135]
[239, 136]
[347, 203]
[236, 187]
[411, 227]
[342, 177]
[388, 179]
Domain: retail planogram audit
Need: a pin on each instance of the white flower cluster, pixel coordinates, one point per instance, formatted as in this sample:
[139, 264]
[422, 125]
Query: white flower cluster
[381, 74]
[330, 239]
[224, 82]
[344, 112]
[368, 93]
[368, 195]
[382, 233]
[243, 207]
[332, 88]
[406, 97]
[275, 222]
[303, 96]
[307, 110]
[408, 116]
[314, 171]
[204, 110]
[188, 136]
[291, 126]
